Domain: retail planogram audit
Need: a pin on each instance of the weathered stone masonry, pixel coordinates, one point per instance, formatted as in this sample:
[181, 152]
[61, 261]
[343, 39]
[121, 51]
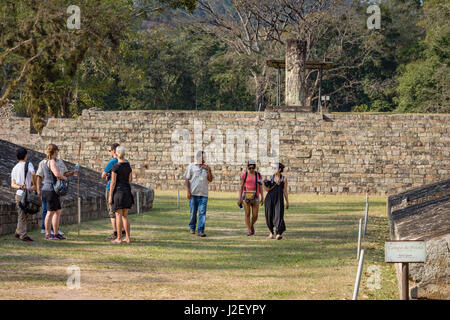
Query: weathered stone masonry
[354, 153]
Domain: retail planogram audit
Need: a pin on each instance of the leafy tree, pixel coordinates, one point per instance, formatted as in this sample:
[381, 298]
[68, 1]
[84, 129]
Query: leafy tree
[47, 55]
[424, 84]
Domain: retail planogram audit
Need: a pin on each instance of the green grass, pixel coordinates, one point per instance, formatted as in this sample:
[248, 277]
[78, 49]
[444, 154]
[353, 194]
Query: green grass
[315, 260]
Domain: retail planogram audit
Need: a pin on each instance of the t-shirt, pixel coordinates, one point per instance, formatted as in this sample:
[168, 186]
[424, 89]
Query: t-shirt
[198, 178]
[250, 182]
[123, 170]
[60, 164]
[108, 170]
[18, 175]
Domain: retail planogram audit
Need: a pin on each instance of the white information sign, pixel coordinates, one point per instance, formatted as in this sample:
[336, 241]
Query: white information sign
[405, 251]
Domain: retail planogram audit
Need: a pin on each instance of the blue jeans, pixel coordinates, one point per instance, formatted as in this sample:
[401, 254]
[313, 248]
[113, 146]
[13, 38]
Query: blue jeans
[44, 213]
[198, 203]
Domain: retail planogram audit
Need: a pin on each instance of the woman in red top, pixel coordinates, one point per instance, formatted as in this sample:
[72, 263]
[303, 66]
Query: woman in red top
[249, 195]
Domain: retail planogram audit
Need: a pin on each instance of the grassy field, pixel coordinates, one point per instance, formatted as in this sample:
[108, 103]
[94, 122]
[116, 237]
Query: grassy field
[315, 260]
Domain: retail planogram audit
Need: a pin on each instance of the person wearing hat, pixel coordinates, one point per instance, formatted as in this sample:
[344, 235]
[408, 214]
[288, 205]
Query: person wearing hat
[251, 195]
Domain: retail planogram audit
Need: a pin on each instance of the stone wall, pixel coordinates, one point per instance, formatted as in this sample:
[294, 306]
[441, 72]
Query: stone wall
[18, 130]
[342, 152]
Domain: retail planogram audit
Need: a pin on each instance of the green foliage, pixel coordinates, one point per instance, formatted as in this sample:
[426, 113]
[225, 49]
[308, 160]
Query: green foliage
[361, 108]
[178, 68]
[424, 84]
[117, 62]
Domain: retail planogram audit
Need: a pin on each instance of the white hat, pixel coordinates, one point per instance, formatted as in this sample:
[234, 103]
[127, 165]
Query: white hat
[250, 161]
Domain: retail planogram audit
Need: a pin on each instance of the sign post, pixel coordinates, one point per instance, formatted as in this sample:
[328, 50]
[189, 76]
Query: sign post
[404, 252]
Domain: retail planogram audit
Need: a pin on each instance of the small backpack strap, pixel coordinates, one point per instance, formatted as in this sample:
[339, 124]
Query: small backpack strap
[245, 179]
[26, 172]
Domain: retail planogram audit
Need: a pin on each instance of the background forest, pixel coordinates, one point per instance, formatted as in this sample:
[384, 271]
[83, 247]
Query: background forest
[211, 55]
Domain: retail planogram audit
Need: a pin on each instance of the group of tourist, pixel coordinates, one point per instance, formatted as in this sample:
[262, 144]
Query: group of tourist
[198, 175]
[119, 199]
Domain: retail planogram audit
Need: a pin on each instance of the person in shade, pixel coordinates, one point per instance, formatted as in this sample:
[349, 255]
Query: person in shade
[198, 175]
[277, 192]
[21, 182]
[120, 196]
[106, 175]
[251, 195]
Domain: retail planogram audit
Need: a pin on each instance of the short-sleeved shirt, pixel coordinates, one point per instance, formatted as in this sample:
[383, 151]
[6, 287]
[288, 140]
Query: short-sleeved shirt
[61, 167]
[18, 175]
[123, 170]
[108, 170]
[198, 179]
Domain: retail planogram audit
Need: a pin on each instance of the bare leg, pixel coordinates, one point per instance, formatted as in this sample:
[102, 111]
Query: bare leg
[247, 216]
[255, 209]
[58, 219]
[118, 225]
[126, 224]
[48, 222]
[55, 222]
[113, 223]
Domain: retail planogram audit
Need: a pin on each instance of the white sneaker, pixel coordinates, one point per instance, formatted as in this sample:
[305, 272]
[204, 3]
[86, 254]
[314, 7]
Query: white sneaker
[42, 230]
[59, 232]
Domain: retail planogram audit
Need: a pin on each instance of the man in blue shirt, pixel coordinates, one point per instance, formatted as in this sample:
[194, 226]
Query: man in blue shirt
[106, 175]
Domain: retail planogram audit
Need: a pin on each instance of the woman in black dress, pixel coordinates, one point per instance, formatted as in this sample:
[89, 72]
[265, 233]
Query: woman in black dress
[276, 193]
[120, 196]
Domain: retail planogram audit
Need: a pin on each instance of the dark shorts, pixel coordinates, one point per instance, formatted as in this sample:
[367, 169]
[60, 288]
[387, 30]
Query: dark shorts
[122, 200]
[52, 199]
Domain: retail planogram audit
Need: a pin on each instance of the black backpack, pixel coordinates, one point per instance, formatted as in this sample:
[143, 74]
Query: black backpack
[30, 202]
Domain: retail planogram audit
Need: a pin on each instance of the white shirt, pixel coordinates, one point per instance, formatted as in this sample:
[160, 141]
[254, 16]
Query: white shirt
[198, 179]
[18, 175]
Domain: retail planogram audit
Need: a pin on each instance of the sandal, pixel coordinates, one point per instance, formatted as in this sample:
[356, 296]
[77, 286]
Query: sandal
[117, 241]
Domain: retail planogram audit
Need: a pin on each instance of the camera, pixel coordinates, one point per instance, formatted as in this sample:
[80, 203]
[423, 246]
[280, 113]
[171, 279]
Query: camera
[269, 183]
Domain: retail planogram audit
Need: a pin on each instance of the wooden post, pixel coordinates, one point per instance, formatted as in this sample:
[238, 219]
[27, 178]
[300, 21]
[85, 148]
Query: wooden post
[178, 199]
[319, 102]
[78, 189]
[358, 276]
[79, 215]
[359, 239]
[405, 283]
[295, 72]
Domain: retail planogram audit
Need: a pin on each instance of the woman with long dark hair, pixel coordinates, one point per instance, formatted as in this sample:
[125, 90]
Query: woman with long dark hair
[277, 192]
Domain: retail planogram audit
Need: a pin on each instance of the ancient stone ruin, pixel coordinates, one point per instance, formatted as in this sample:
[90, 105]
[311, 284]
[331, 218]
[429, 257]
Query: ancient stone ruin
[424, 214]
